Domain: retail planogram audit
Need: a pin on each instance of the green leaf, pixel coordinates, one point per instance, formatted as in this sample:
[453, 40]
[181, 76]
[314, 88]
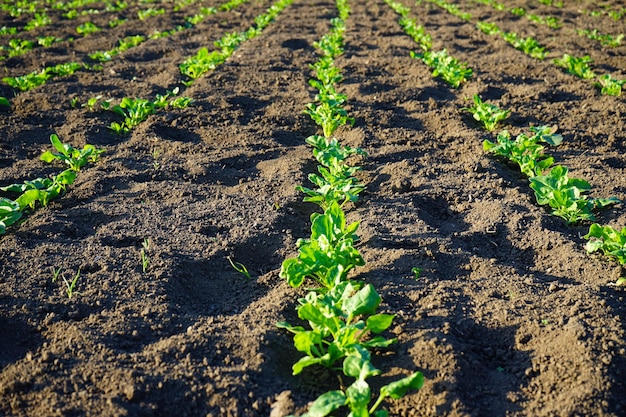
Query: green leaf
[379, 322]
[399, 388]
[359, 395]
[327, 403]
[365, 301]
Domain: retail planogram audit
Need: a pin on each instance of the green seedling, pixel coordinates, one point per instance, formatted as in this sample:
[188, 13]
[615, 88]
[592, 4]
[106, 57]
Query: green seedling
[47, 41]
[29, 81]
[5, 102]
[55, 273]
[487, 114]
[75, 158]
[518, 11]
[241, 268]
[445, 66]
[525, 151]
[605, 40]
[196, 66]
[134, 112]
[336, 327]
[566, 195]
[610, 86]
[576, 66]
[10, 213]
[329, 255]
[336, 182]
[488, 28]
[417, 32]
[151, 12]
[610, 242]
[38, 20]
[87, 28]
[529, 45]
[70, 286]
[18, 47]
[416, 272]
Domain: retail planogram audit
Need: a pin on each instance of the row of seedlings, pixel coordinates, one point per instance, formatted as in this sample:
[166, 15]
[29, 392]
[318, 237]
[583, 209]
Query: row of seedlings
[34, 79]
[577, 66]
[42, 190]
[136, 110]
[445, 66]
[552, 186]
[564, 195]
[341, 313]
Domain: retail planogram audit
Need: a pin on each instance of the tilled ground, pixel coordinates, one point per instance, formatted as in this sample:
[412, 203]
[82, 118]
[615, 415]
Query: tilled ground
[510, 316]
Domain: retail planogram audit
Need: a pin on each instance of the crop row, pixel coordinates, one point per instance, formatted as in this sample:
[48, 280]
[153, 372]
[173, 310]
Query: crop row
[341, 313]
[43, 190]
[552, 186]
[578, 66]
[36, 78]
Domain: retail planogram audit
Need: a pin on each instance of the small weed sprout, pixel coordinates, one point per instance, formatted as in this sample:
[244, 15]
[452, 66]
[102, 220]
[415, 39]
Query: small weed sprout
[70, 286]
[416, 272]
[241, 268]
[55, 273]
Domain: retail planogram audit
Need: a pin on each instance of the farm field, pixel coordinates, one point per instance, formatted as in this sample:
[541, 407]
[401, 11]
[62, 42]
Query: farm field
[127, 295]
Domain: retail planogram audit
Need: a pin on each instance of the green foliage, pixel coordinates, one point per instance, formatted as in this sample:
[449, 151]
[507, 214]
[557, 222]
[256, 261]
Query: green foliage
[609, 241]
[576, 66]
[87, 28]
[74, 158]
[445, 66]
[329, 254]
[124, 44]
[528, 45]
[417, 32]
[487, 114]
[151, 12]
[488, 28]
[38, 20]
[566, 195]
[28, 81]
[134, 112]
[605, 40]
[525, 151]
[610, 86]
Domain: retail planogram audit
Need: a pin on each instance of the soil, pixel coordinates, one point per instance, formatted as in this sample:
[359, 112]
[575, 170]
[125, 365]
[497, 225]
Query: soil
[510, 315]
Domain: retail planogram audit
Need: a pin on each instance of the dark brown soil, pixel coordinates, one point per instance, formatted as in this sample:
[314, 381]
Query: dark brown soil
[510, 315]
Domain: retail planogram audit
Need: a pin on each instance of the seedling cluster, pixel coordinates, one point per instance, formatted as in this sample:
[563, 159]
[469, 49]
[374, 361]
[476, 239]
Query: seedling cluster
[43, 190]
[341, 313]
[552, 186]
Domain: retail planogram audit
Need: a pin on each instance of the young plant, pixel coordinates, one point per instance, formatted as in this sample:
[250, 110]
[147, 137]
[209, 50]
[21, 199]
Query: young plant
[29, 81]
[134, 112]
[329, 254]
[70, 286]
[10, 212]
[610, 86]
[487, 114]
[445, 66]
[145, 258]
[241, 268]
[87, 28]
[566, 195]
[488, 28]
[610, 242]
[75, 158]
[529, 45]
[576, 66]
[55, 273]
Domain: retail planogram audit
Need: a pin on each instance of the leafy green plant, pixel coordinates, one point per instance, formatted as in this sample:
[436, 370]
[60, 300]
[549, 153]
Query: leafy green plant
[134, 111]
[55, 273]
[10, 212]
[605, 40]
[329, 254]
[5, 102]
[18, 47]
[47, 41]
[610, 242]
[528, 45]
[566, 195]
[518, 11]
[38, 20]
[609, 85]
[417, 32]
[75, 158]
[576, 66]
[87, 28]
[487, 114]
[488, 28]
[150, 12]
[445, 66]
[336, 182]
[525, 150]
